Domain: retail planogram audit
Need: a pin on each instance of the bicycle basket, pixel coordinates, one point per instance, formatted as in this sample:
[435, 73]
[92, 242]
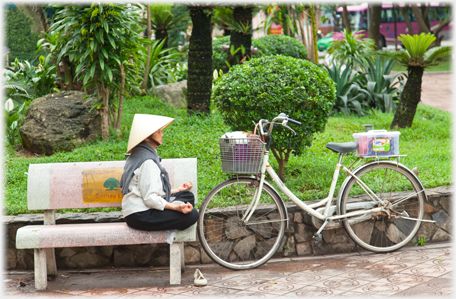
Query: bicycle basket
[241, 155]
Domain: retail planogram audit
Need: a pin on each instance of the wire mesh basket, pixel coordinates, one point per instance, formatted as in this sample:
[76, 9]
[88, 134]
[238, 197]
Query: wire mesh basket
[241, 155]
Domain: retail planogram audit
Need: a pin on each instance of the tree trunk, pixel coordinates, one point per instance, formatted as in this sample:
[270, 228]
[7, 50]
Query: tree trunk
[121, 98]
[241, 15]
[282, 159]
[314, 33]
[374, 24]
[407, 20]
[425, 13]
[68, 77]
[437, 30]
[162, 34]
[149, 35]
[199, 82]
[303, 33]
[345, 18]
[422, 28]
[395, 26]
[226, 31]
[43, 20]
[411, 96]
[104, 111]
[308, 38]
[285, 25]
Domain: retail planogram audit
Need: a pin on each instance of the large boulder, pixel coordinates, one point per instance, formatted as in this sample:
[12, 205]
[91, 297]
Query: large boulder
[171, 93]
[59, 121]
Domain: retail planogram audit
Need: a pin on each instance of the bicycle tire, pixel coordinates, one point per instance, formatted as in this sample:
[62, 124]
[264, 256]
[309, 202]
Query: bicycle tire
[235, 245]
[391, 182]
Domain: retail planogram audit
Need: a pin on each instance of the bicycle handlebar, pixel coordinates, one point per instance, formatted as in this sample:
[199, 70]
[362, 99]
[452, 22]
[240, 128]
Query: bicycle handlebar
[281, 117]
[295, 122]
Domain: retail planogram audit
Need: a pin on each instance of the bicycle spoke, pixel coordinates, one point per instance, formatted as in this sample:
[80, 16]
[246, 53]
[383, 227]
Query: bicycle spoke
[382, 231]
[232, 242]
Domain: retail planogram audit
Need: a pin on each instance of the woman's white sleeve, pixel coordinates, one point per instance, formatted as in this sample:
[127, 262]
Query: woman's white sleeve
[150, 186]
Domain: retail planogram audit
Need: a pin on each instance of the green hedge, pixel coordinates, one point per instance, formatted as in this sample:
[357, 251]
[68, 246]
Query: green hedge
[219, 56]
[20, 39]
[285, 45]
[261, 88]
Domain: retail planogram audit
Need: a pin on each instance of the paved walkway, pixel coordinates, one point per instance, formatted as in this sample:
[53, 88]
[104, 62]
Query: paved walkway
[412, 271]
[437, 90]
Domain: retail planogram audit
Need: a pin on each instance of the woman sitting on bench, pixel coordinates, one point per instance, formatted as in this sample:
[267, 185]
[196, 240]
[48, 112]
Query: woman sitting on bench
[149, 203]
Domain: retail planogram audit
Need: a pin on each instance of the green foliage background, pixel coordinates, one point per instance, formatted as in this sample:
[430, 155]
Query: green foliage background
[219, 56]
[19, 38]
[285, 45]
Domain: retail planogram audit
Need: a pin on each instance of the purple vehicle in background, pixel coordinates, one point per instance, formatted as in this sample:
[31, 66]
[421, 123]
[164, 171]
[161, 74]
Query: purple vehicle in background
[359, 20]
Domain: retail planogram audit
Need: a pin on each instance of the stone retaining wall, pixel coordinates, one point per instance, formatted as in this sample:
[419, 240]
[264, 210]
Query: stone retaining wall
[297, 240]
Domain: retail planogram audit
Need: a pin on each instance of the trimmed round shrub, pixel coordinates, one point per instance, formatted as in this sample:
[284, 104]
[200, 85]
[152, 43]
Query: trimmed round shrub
[219, 56]
[284, 44]
[263, 87]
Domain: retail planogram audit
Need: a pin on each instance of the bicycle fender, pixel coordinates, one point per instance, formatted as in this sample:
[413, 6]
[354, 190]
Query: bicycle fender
[344, 184]
[276, 193]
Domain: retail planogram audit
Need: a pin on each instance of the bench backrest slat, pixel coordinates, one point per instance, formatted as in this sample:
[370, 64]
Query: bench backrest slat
[92, 184]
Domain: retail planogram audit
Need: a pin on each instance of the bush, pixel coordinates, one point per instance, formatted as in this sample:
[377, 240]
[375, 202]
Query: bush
[385, 89]
[351, 45]
[41, 80]
[20, 39]
[264, 87]
[350, 97]
[285, 45]
[219, 56]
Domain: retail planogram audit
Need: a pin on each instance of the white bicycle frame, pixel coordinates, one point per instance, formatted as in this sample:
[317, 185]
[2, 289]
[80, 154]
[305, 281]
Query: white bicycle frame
[329, 209]
[266, 167]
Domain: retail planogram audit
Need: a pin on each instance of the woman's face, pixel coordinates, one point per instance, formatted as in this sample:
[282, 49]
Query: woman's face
[158, 137]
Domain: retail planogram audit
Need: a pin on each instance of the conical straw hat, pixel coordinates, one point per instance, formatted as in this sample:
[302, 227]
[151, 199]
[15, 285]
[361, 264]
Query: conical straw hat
[144, 125]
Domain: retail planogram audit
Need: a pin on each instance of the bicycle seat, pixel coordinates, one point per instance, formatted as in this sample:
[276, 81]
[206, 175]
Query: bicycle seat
[342, 148]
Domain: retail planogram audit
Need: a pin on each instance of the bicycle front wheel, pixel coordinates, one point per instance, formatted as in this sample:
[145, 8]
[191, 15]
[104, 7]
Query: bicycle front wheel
[393, 228]
[233, 241]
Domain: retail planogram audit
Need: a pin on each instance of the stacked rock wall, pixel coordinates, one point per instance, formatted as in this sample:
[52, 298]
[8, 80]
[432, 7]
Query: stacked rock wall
[297, 240]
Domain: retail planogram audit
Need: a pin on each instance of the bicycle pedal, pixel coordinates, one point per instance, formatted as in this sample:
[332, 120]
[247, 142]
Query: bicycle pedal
[317, 238]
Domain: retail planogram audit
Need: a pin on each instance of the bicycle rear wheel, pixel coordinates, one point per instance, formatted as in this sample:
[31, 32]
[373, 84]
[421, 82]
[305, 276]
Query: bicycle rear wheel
[229, 240]
[379, 232]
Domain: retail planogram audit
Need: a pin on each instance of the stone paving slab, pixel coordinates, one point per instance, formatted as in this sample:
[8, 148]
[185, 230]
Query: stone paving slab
[409, 272]
[437, 90]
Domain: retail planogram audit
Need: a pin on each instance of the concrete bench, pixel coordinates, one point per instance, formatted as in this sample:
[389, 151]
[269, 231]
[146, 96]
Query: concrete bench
[79, 185]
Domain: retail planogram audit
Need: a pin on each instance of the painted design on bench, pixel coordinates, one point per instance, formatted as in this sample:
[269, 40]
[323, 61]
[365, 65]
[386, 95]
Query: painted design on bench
[111, 184]
[101, 185]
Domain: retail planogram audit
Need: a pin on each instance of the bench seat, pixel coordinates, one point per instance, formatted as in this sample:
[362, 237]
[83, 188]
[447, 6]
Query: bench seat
[82, 185]
[94, 234]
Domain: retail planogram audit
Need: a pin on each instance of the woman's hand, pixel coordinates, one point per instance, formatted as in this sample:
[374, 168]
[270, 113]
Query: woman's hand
[184, 208]
[184, 187]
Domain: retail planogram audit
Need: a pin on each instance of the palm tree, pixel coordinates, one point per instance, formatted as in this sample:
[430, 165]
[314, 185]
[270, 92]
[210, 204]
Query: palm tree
[241, 33]
[163, 20]
[199, 83]
[416, 57]
[352, 44]
[222, 16]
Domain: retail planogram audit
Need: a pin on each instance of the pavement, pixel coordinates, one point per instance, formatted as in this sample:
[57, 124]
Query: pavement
[413, 271]
[437, 90]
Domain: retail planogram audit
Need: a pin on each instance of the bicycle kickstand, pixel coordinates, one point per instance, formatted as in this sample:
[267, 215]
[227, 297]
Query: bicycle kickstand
[317, 238]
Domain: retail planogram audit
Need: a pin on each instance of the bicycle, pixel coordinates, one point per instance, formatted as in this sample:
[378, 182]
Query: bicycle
[247, 232]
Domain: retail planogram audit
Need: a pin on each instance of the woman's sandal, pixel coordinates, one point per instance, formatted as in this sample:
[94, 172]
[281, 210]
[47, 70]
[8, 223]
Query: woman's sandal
[199, 281]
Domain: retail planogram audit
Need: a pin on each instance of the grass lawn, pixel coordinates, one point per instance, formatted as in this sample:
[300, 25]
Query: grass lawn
[427, 144]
